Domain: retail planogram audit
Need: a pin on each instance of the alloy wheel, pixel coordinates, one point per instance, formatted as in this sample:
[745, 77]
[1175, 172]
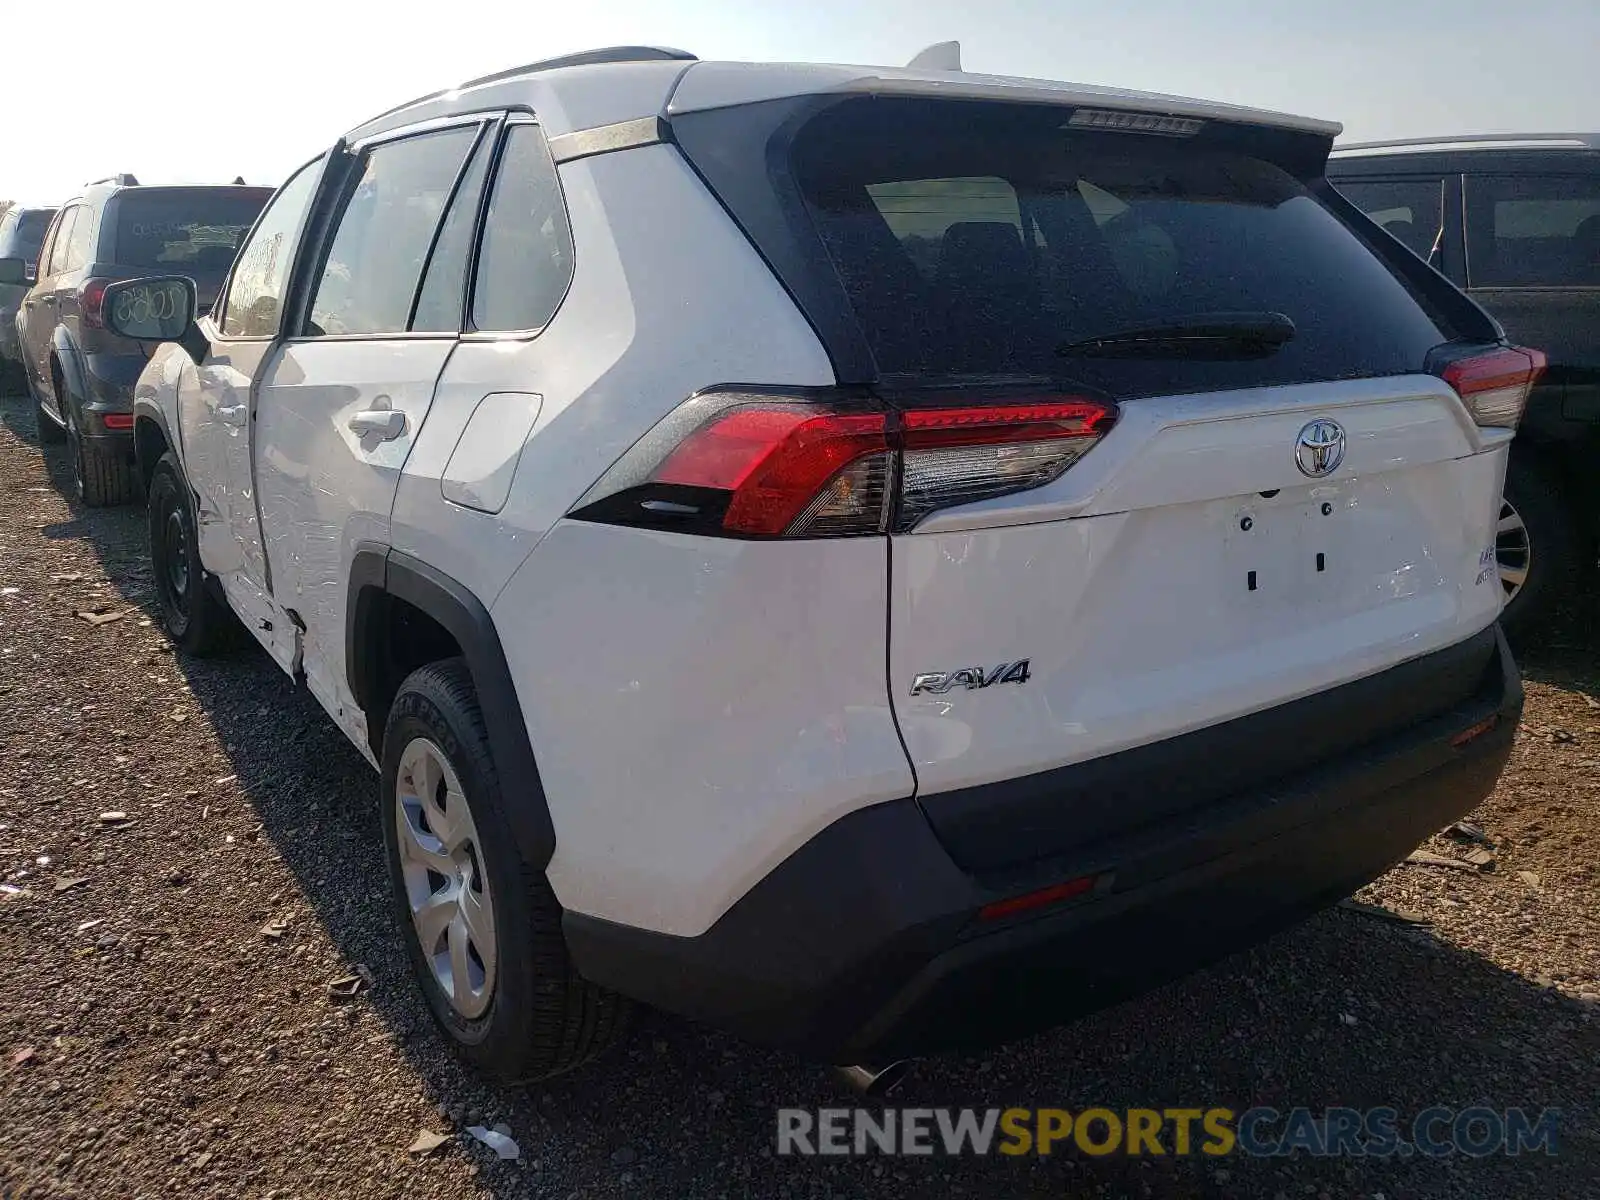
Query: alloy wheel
[441, 864]
[1512, 550]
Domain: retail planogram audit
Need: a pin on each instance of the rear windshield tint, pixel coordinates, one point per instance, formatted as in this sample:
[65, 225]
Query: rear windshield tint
[24, 235]
[977, 239]
[195, 230]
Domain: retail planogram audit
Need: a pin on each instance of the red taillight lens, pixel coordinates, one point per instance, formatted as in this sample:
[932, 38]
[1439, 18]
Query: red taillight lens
[1495, 386]
[787, 469]
[774, 466]
[118, 420]
[91, 302]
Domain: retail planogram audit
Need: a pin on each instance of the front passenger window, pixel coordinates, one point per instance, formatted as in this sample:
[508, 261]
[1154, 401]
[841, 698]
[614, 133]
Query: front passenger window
[254, 301]
[385, 232]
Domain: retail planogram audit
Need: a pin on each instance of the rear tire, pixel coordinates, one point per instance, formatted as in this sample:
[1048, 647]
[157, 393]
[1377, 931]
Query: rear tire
[196, 618]
[1551, 562]
[104, 478]
[101, 479]
[521, 1011]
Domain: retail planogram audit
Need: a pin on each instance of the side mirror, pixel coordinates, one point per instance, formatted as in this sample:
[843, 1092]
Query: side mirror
[156, 308]
[14, 271]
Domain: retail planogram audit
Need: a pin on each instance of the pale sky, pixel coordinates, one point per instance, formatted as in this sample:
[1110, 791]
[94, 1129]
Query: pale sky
[180, 92]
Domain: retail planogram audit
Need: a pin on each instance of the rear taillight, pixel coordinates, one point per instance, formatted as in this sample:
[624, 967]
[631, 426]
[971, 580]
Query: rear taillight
[956, 456]
[1495, 386]
[91, 302]
[757, 465]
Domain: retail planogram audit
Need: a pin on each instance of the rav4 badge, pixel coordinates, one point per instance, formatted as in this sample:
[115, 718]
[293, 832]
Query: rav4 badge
[937, 683]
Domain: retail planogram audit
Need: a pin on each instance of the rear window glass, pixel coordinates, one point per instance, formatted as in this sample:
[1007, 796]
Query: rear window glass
[23, 234]
[976, 239]
[195, 230]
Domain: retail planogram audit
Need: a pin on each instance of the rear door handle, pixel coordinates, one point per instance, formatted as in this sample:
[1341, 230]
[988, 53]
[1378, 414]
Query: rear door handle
[384, 423]
[233, 414]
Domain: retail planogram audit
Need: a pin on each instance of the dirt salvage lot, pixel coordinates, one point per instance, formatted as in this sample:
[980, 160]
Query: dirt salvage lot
[166, 1027]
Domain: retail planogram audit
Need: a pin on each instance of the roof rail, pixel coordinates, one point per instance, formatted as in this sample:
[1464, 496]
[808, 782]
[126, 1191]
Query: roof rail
[1508, 141]
[122, 180]
[582, 58]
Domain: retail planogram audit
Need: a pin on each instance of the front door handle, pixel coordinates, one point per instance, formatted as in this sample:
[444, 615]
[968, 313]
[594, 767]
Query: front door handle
[233, 414]
[383, 423]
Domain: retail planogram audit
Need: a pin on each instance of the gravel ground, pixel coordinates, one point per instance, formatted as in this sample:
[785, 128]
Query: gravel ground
[167, 1029]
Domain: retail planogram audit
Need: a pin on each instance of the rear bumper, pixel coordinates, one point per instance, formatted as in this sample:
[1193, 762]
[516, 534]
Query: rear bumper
[866, 944]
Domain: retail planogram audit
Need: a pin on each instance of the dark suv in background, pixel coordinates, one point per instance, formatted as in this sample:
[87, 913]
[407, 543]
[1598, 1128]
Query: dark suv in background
[1515, 220]
[21, 234]
[80, 374]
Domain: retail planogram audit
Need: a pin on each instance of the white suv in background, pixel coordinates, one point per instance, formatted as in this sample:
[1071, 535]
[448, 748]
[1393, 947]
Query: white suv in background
[880, 560]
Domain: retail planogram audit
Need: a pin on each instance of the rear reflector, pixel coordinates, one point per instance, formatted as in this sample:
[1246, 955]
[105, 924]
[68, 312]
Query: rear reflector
[1028, 901]
[755, 465]
[118, 420]
[1475, 731]
[1495, 386]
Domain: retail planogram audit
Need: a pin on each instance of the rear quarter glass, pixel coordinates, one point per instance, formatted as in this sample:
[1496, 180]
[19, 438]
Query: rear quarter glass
[972, 239]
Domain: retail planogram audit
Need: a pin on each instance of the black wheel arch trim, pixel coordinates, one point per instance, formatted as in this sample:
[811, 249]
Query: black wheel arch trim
[144, 410]
[377, 571]
[65, 352]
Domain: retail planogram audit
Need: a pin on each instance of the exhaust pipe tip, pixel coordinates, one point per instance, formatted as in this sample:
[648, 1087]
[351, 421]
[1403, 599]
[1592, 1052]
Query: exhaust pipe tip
[872, 1080]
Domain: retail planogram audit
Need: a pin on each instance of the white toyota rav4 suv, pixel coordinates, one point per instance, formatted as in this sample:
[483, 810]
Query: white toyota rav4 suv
[882, 560]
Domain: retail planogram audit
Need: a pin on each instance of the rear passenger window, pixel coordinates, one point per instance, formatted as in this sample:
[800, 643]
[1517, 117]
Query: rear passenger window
[1410, 209]
[1533, 231]
[374, 266]
[444, 284]
[525, 262]
[80, 242]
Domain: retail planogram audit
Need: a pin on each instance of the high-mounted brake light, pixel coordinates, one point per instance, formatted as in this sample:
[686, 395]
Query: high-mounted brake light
[91, 302]
[755, 465]
[1134, 122]
[1495, 386]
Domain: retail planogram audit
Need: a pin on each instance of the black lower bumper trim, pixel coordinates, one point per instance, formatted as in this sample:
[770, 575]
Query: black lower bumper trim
[866, 945]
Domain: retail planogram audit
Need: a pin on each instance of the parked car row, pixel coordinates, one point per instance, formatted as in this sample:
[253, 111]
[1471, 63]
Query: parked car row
[80, 374]
[880, 560]
[1515, 220]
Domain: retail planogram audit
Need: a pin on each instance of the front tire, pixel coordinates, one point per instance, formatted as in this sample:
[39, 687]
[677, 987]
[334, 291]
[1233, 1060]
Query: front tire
[51, 432]
[198, 621]
[482, 927]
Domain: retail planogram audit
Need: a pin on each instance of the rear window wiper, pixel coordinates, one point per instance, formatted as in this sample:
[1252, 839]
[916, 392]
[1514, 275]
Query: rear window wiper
[1200, 335]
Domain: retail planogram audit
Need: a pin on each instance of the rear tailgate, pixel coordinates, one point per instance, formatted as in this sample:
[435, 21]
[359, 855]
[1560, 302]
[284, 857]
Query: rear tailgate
[1265, 520]
[1185, 573]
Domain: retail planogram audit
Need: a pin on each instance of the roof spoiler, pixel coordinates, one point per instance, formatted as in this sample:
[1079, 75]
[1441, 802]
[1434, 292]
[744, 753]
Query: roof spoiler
[122, 180]
[941, 56]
